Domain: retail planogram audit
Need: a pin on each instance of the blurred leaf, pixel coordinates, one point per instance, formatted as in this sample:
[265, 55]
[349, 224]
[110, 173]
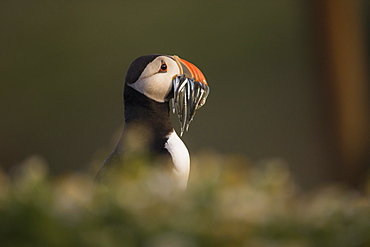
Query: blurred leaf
[228, 203]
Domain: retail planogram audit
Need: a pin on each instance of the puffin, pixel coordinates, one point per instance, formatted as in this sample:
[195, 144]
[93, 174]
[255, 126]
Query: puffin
[151, 83]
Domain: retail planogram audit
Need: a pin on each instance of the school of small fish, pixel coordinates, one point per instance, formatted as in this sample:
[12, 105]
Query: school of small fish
[189, 96]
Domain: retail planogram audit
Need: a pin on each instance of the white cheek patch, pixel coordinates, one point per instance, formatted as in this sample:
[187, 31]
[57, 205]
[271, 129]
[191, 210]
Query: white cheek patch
[157, 85]
[154, 87]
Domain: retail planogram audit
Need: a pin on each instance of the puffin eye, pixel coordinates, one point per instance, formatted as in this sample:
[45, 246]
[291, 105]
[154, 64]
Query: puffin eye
[163, 67]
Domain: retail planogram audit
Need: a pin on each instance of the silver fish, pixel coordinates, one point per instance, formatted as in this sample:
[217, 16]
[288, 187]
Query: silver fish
[189, 96]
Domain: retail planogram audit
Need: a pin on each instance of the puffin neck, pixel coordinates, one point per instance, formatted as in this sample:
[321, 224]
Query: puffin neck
[150, 113]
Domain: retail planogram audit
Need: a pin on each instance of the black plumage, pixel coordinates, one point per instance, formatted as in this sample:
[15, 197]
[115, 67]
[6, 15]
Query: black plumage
[145, 117]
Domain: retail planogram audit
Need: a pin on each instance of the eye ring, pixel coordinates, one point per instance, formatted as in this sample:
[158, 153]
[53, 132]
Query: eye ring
[163, 68]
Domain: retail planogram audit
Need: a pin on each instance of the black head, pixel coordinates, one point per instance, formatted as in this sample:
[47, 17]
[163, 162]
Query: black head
[137, 67]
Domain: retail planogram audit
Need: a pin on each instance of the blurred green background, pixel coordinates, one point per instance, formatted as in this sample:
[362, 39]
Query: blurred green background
[63, 65]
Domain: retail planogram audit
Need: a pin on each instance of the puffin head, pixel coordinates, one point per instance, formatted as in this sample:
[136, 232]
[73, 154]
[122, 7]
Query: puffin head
[153, 75]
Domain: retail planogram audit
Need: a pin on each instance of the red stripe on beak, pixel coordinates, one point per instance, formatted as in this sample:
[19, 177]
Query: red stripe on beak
[191, 71]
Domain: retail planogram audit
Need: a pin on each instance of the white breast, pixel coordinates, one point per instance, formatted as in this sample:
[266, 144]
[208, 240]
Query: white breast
[180, 158]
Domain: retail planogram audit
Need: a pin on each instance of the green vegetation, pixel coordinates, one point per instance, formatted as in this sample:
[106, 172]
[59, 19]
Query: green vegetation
[228, 203]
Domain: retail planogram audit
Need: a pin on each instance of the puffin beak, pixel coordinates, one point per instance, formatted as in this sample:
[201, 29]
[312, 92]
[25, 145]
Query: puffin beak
[190, 70]
[190, 92]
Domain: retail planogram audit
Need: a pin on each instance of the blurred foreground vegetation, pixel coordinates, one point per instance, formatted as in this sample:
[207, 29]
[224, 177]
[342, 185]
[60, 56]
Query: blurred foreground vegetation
[228, 203]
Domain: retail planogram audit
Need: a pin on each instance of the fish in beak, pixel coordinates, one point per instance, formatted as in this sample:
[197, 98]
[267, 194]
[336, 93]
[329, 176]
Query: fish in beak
[190, 90]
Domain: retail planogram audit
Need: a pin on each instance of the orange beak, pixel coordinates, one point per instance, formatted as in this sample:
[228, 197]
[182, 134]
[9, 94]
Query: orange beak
[190, 70]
